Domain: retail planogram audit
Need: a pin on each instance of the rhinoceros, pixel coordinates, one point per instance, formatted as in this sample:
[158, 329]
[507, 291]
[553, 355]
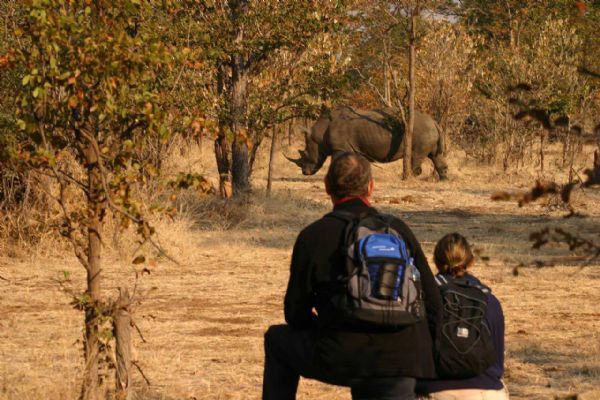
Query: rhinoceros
[376, 134]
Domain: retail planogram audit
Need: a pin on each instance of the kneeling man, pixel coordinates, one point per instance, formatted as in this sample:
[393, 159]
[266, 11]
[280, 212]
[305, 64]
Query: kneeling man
[316, 343]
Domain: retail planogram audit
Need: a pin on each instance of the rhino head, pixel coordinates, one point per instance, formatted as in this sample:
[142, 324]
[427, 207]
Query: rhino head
[311, 158]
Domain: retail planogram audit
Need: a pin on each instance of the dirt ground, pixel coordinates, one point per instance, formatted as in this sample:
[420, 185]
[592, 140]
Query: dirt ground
[203, 319]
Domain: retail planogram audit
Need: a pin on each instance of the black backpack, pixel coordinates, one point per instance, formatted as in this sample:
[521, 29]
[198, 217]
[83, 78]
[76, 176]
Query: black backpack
[381, 287]
[465, 348]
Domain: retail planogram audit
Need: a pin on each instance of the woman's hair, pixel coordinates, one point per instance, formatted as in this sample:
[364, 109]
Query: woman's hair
[453, 255]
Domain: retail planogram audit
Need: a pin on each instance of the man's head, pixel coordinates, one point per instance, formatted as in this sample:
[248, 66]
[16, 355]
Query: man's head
[349, 175]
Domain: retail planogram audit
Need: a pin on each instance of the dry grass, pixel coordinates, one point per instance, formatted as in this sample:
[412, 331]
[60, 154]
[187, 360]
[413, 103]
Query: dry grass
[204, 318]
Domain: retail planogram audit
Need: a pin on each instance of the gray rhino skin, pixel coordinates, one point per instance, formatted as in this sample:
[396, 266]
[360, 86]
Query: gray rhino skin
[376, 134]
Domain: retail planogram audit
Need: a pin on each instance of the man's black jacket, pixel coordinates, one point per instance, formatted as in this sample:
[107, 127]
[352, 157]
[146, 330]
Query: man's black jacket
[349, 352]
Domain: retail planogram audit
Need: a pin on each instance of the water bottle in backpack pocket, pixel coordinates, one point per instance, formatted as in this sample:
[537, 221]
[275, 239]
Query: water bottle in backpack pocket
[382, 256]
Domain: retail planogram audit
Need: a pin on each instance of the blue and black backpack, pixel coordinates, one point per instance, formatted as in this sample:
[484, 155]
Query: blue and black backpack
[381, 287]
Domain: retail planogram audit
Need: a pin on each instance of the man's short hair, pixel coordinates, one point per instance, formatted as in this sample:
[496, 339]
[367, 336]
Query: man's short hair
[349, 174]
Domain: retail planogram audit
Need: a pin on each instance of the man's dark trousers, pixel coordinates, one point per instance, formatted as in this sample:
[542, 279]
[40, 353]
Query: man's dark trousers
[289, 354]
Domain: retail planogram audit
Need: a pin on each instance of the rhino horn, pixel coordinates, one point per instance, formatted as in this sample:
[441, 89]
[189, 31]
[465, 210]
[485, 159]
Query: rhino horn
[297, 161]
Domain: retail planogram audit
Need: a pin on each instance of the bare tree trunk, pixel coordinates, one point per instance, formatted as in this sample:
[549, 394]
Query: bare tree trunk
[271, 160]
[122, 333]
[572, 151]
[223, 166]
[566, 145]
[200, 143]
[594, 173]
[408, 172]
[222, 147]
[257, 139]
[240, 167]
[92, 388]
[387, 88]
[509, 149]
[542, 137]
[290, 131]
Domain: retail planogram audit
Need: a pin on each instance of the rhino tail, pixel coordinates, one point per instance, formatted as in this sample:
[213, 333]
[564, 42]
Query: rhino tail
[441, 142]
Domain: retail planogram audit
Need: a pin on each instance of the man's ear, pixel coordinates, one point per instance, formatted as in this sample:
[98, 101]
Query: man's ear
[371, 188]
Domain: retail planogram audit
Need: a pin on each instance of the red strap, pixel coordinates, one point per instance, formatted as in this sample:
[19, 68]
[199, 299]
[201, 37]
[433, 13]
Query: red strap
[348, 198]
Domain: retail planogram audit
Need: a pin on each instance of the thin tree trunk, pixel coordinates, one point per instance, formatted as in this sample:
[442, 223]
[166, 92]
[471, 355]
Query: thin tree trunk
[566, 144]
[222, 147]
[542, 135]
[223, 165]
[387, 88]
[122, 333]
[240, 167]
[200, 143]
[257, 141]
[574, 149]
[594, 173]
[92, 382]
[272, 160]
[290, 129]
[411, 98]
[509, 150]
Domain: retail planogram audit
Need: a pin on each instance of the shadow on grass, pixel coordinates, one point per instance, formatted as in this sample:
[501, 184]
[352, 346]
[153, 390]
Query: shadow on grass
[534, 353]
[274, 222]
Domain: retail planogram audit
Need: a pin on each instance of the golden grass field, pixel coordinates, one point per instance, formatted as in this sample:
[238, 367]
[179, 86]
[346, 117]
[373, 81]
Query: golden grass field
[203, 319]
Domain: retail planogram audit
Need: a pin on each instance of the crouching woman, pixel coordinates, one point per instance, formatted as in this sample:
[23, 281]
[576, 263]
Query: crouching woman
[453, 258]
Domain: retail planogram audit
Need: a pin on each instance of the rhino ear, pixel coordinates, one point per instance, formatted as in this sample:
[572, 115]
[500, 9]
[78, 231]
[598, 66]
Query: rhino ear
[307, 133]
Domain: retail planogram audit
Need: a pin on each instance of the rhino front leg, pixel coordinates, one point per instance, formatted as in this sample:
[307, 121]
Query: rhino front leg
[440, 165]
[416, 165]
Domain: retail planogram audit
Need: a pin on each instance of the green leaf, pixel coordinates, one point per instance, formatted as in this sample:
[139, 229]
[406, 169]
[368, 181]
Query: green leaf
[26, 80]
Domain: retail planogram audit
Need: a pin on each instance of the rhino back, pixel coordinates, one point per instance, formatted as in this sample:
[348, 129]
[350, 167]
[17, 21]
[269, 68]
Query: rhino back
[379, 135]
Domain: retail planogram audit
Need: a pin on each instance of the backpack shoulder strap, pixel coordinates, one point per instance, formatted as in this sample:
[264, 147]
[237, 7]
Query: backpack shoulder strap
[466, 282]
[441, 280]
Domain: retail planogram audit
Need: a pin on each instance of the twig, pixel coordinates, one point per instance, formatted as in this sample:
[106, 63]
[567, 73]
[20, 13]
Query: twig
[141, 372]
[162, 252]
[137, 328]
[373, 87]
